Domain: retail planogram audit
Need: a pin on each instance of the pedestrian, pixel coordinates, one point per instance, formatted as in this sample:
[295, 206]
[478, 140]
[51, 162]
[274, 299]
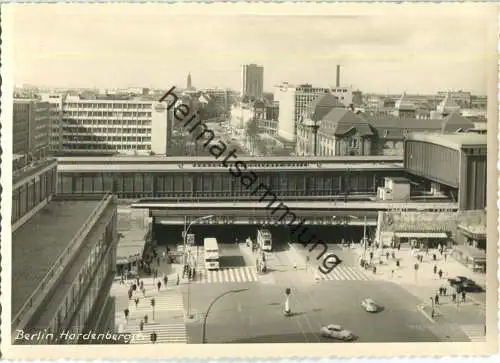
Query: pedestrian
[436, 299]
[445, 255]
[143, 291]
[444, 290]
[141, 285]
[440, 273]
[463, 295]
[146, 319]
[136, 300]
[141, 326]
[126, 312]
[159, 285]
[453, 297]
[374, 270]
[178, 280]
[393, 255]
[435, 269]
[165, 280]
[399, 247]
[387, 255]
[137, 280]
[134, 287]
[440, 291]
[130, 294]
[194, 273]
[392, 274]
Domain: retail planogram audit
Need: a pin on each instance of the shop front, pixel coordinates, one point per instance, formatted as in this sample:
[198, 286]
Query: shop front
[471, 249]
[422, 239]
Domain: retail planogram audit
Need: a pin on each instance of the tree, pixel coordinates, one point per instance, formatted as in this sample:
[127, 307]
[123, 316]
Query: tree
[252, 131]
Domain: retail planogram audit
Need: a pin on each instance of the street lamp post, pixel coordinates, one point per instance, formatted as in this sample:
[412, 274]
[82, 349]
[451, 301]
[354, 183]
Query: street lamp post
[204, 327]
[186, 230]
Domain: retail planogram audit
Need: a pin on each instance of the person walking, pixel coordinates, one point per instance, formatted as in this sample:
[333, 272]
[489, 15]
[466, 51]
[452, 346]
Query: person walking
[445, 256]
[165, 280]
[126, 312]
[178, 280]
[136, 300]
[436, 299]
[435, 269]
[141, 326]
[440, 273]
[146, 319]
[444, 290]
[463, 295]
[454, 297]
[159, 285]
[143, 291]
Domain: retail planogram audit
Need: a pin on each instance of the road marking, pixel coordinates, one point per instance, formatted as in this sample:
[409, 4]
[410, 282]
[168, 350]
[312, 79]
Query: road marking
[232, 274]
[475, 332]
[344, 273]
[166, 333]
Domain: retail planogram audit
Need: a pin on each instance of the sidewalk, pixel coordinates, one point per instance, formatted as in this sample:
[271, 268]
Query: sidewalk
[425, 274]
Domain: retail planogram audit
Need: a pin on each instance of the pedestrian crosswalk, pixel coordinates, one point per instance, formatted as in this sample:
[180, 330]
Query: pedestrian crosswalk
[475, 332]
[165, 333]
[342, 272]
[169, 300]
[227, 274]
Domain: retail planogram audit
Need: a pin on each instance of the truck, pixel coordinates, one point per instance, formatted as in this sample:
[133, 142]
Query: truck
[264, 240]
[211, 250]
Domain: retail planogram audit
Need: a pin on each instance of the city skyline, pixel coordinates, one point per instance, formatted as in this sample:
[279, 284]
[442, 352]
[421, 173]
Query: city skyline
[386, 53]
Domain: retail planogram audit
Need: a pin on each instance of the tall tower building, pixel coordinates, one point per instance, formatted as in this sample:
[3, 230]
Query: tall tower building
[252, 81]
[189, 84]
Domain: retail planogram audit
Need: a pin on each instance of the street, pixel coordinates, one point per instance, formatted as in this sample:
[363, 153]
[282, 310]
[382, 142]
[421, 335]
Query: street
[246, 306]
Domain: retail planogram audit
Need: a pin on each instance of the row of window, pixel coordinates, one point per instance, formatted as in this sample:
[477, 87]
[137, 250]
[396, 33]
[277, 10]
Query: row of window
[105, 146]
[92, 130]
[105, 114]
[104, 122]
[124, 105]
[103, 139]
[26, 197]
[92, 273]
[200, 185]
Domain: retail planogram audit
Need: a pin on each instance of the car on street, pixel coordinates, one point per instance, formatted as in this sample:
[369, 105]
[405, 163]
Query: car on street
[462, 283]
[370, 306]
[335, 331]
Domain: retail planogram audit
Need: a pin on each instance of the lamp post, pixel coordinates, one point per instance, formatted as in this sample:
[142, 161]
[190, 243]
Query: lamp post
[186, 230]
[204, 326]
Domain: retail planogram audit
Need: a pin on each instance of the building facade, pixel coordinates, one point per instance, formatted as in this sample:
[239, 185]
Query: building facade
[63, 253]
[252, 81]
[31, 127]
[329, 129]
[120, 126]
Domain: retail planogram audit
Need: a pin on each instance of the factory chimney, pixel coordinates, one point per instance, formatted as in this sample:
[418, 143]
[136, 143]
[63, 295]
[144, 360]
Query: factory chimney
[338, 76]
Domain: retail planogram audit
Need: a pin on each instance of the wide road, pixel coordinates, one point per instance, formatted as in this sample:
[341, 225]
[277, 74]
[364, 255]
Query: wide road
[254, 315]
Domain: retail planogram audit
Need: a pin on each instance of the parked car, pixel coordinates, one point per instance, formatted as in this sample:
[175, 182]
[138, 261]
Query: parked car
[462, 283]
[334, 331]
[370, 306]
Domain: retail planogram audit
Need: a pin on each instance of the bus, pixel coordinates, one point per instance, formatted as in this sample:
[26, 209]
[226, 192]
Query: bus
[264, 240]
[211, 249]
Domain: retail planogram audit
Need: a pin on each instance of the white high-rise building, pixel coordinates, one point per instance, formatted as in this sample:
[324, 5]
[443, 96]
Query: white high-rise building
[252, 81]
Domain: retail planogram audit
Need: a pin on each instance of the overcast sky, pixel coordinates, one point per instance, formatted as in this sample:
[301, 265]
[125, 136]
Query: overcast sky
[391, 49]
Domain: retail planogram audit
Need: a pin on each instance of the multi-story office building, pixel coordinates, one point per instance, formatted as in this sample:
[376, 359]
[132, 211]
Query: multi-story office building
[293, 102]
[31, 127]
[56, 103]
[252, 81]
[63, 259]
[122, 126]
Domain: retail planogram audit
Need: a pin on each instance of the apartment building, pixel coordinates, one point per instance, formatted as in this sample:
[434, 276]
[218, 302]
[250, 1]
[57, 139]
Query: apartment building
[252, 81]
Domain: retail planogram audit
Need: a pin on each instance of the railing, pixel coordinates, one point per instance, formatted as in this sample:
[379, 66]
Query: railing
[35, 298]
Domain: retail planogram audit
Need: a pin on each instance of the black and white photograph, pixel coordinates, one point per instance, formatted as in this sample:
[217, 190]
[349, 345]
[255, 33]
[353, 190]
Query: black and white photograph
[201, 175]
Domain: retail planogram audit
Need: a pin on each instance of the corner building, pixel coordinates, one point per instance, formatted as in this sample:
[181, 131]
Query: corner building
[63, 259]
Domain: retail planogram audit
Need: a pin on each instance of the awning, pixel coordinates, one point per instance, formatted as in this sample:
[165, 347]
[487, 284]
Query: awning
[421, 235]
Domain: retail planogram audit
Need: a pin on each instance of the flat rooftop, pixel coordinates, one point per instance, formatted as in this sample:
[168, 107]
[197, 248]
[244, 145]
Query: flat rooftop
[31, 169]
[38, 243]
[454, 141]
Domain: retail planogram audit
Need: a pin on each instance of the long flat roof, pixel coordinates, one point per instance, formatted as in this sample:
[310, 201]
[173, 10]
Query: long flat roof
[146, 167]
[210, 159]
[454, 141]
[332, 205]
[38, 243]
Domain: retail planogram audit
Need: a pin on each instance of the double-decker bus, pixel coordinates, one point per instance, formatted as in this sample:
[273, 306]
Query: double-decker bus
[211, 250]
[264, 240]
